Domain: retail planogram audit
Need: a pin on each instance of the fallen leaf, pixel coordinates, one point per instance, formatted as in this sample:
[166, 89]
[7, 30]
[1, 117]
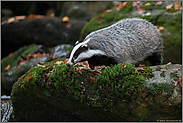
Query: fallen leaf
[100, 18]
[134, 3]
[161, 67]
[22, 61]
[17, 67]
[7, 67]
[177, 5]
[141, 65]
[147, 4]
[40, 65]
[159, 2]
[169, 6]
[140, 9]
[168, 63]
[124, 4]
[52, 15]
[58, 62]
[175, 69]
[30, 77]
[39, 16]
[161, 28]
[86, 63]
[124, 65]
[32, 16]
[140, 69]
[52, 71]
[89, 69]
[68, 26]
[10, 54]
[115, 6]
[92, 79]
[20, 17]
[96, 72]
[180, 81]
[65, 19]
[106, 11]
[10, 20]
[120, 6]
[48, 65]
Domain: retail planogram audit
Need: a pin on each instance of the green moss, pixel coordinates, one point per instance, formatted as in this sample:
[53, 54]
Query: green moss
[159, 88]
[15, 58]
[114, 86]
[117, 83]
[149, 7]
[29, 50]
[147, 72]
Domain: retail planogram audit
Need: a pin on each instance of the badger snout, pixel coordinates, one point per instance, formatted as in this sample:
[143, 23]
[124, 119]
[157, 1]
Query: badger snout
[69, 64]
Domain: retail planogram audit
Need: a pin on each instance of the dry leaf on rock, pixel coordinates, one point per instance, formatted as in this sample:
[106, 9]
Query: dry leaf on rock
[180, 81]
[140, 9]
[124, 4]
[7, 67]
[134, 3]
[10, 54]
[106, 11]
[147, 4]
[159, 2]
[65, 19]
[168, 63]
[177, 5]
[161, 28]
[68, 26]
[169, 6]
[120, 6]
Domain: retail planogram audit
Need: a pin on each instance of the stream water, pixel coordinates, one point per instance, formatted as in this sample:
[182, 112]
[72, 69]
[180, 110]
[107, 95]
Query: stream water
[6, 109]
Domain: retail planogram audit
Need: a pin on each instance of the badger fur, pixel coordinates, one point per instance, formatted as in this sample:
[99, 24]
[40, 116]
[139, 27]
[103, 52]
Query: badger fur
[129, 40]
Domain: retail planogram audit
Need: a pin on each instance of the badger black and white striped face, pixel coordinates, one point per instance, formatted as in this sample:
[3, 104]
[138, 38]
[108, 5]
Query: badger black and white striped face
[82, 52]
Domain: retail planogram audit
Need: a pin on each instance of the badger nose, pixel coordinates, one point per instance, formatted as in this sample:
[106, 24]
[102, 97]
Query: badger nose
[68, 64]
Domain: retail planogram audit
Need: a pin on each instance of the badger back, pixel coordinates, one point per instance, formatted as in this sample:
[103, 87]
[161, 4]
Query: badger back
[129, 40]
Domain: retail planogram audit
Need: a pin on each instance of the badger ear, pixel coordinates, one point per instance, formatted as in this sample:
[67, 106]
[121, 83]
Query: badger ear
[77, 42]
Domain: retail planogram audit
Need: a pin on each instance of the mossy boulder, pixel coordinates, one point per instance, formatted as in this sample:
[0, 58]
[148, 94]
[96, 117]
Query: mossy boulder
[56, 92]
[170, 19]
[20, 61]
[46, 31]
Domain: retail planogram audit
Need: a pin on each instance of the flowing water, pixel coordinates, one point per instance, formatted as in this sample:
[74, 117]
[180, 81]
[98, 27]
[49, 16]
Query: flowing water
[6, 109]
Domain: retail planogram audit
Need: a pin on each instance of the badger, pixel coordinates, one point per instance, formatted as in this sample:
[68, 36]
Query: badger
[130, 40]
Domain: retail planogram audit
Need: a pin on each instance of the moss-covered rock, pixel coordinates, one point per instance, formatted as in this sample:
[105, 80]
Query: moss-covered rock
[56, 92]
[171, 20]
[19, 62]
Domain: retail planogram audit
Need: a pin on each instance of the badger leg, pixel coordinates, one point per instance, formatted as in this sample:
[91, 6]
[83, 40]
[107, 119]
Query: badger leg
[155, 59]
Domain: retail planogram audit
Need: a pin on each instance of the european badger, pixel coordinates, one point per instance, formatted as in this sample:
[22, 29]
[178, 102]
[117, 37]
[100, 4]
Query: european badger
[129, 40]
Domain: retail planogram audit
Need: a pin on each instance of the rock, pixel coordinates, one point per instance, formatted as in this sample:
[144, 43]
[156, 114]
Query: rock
[32, 55]
[170, 19]
[62, 93]
[46, 31]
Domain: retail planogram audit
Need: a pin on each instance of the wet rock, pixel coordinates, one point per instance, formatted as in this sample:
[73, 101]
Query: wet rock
[46, 31]
[62, 93]
[25, 58]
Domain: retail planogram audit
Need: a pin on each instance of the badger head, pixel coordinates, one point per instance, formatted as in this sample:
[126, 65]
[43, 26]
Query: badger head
[84, 52]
